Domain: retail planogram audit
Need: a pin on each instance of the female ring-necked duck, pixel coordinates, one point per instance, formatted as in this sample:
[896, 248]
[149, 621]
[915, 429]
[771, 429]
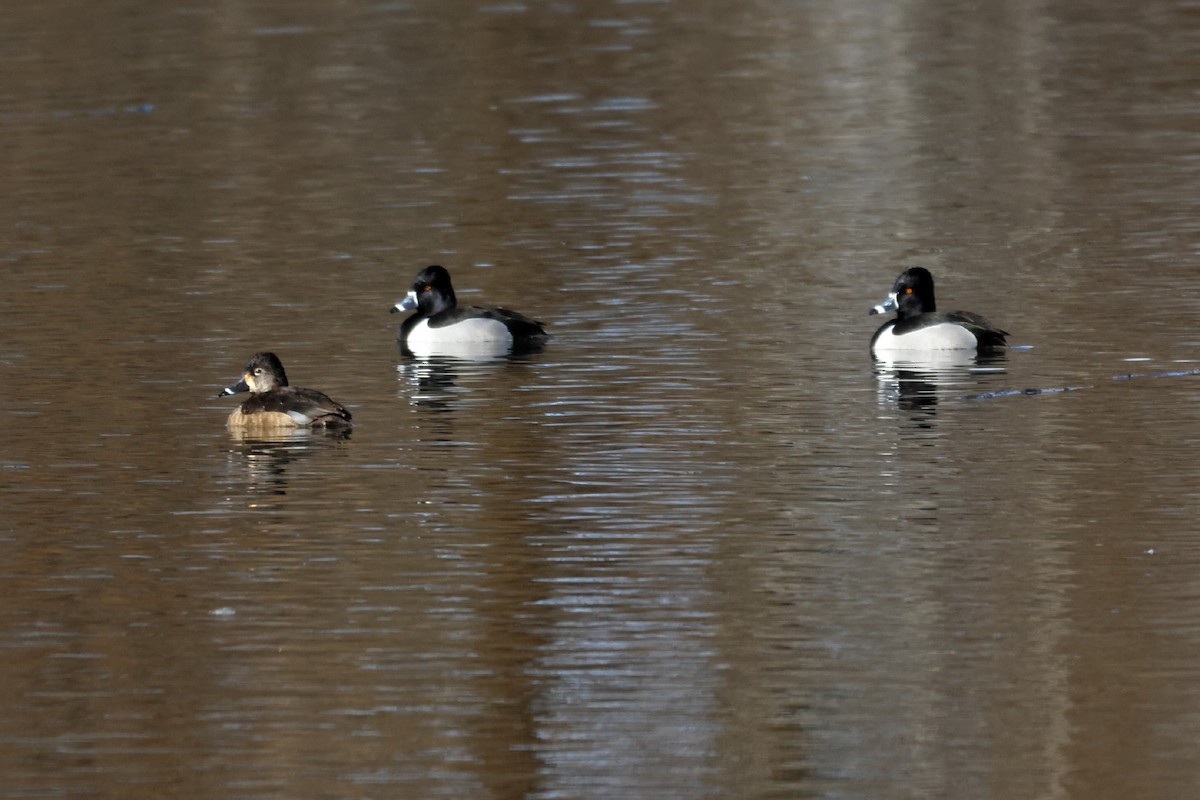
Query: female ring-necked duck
[274, 404]
[442, 327]
[919, 326]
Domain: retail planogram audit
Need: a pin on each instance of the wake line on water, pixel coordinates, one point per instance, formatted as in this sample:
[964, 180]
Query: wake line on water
[1062, 389]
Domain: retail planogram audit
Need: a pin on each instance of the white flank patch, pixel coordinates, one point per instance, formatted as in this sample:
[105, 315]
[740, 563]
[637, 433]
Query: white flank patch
[943, 336]
[478, 336]
[930, 362]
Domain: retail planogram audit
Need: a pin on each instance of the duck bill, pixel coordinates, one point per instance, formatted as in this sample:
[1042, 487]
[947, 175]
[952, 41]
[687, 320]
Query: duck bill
[407, 304]
[240, 386]
[887, 305]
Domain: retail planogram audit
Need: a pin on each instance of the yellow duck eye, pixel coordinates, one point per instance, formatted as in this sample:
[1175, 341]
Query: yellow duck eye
[908, 290]
[427, 288]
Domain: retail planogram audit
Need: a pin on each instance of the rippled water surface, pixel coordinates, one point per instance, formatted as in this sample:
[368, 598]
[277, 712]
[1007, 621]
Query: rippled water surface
[700, 545]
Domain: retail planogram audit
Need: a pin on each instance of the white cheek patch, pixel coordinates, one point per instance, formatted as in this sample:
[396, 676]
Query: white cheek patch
[943, 336]
[478, 336]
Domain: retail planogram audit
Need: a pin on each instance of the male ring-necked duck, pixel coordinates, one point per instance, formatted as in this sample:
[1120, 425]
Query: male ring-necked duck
[274, 404]
[442, 327]
[919, 326]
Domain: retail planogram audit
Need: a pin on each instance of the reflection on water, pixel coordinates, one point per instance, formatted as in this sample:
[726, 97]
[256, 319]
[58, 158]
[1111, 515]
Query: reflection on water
[266, 457]
[699, 546]
[430, 383]
[433, 382]
[917, 384]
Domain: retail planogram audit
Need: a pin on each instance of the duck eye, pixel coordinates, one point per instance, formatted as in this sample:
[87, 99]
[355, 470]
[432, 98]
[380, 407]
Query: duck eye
[427, 288]
[908, 290]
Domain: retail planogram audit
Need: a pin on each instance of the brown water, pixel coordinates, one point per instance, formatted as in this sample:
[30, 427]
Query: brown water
[700, 546]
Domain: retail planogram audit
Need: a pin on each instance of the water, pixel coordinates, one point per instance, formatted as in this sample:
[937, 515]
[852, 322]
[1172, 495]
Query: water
[700, 546]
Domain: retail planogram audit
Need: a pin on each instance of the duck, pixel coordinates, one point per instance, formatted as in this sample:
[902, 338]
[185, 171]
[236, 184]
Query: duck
[276, 405]
[919, 326]
[440, 326]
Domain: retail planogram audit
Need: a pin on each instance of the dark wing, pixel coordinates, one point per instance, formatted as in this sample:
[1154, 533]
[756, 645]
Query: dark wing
[519, 325]
[987, 334]
[317, 406]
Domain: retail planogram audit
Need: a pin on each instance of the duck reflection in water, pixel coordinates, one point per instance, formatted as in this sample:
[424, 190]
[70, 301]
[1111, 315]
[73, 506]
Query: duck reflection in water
[266, 458]
[436, 383]
[917, 385]
[432, 383]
